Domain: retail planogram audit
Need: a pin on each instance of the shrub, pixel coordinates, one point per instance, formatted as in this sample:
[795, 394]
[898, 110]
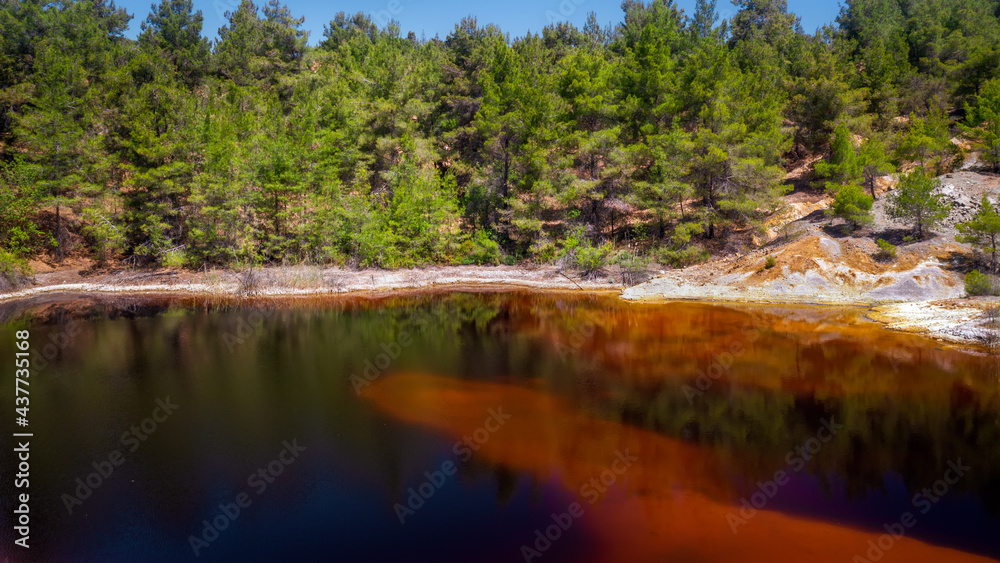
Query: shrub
[14, 271]
[481, 249]
[173, 258]
[980, 284]
[544, 250]
[886, 250]
[682, 252]
[580, 253]
[20, 198]
[852, 205]
[103, 236]
[632, 265]
[770, 263]
[592, 258]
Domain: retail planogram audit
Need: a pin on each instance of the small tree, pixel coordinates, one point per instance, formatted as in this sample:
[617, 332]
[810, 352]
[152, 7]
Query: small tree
[849, 164]
[843, 166]
[874, 162]
[983, 231]
[852, 205]
[915, 201]
[928, 140]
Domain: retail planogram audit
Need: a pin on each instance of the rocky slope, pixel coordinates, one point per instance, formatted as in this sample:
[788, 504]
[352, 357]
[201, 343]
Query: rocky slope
[815, 262]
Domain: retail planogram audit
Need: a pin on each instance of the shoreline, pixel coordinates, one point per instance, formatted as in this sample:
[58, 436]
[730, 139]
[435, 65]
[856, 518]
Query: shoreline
[954, 321]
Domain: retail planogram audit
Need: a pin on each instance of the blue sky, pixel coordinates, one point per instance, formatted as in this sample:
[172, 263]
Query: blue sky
[432, 17]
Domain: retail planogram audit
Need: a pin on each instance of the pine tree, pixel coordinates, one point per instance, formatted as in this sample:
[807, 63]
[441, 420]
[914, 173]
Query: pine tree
[983, 124]
[915, 200]
[174, 28]
[876, 34]
[843, 166]
[983, 231]
[928, 140]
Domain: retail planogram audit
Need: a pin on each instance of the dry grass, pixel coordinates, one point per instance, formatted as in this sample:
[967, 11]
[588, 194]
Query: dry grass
[989, 331]
[249, 282]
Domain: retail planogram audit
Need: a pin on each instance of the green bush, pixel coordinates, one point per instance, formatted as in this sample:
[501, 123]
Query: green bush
[980, 284]
[682, 252]
[544, 250]
[886, 250]
[592, 258]
[102, 235]
[770, 262]
[852, 205]
[480, 249]
[172, 259]
[578, 252]
[682, 258]
[14, 271]
[416, 225]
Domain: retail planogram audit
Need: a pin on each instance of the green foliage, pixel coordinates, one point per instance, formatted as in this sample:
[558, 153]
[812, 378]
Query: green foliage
[632, 265]
[843, 166]
[413, 224]
[579, 252]
[770, 262]
[983, 122]
[978, 284]
[14, 270]
[380, 150]
[915, 201]
[103, 236]
[252, 49]
[687, 256]
[928, 140]
[983, 231]
[852, 205]
[481, 249]
[874, 162]
[886, 251]
[681, 251]
[174, 30]
[20, 199]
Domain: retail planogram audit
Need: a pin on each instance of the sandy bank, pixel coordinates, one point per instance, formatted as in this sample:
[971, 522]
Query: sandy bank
[304, 280]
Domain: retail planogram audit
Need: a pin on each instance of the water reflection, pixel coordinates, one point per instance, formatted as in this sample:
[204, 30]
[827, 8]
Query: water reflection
[711, 399]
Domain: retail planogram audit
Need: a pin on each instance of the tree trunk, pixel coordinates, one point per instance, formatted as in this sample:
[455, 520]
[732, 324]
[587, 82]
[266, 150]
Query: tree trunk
[506, 171]
[710, 205]
[58, 238]
[993, 242]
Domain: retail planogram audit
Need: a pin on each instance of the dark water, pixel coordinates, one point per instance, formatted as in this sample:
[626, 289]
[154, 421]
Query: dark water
[549, 389]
